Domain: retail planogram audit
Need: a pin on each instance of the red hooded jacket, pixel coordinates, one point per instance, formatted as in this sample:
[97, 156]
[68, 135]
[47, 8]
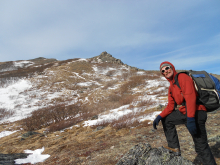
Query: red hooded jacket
[187, 93]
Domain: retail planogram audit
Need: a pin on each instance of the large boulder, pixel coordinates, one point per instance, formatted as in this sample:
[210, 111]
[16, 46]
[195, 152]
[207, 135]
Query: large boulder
[8, 159]
[143, 154]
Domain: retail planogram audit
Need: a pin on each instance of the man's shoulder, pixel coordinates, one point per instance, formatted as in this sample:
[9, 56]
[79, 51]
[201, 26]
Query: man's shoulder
[184, 76]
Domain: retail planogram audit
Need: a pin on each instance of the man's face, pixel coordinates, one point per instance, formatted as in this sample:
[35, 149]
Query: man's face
[168, 73]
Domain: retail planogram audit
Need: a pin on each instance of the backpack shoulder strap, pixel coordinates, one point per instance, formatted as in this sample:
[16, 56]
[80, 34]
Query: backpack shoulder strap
[176, 78]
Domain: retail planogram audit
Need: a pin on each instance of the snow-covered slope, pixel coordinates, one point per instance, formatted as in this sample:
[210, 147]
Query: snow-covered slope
[59, 84]
[27, 86]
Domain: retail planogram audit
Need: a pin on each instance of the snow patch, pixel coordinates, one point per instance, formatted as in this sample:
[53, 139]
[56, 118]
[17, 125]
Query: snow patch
[34, 157]
[23, 63]
[6, 133]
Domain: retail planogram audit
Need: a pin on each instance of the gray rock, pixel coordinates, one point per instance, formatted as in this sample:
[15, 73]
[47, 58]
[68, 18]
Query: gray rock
[214, 139]
[143, 154]
[29, 134]
[99, 128]
[8, 159]
[160, 106]
[94, 117]
[106, 57]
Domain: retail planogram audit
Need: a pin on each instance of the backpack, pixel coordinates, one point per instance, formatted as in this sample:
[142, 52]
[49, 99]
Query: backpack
[207, 87]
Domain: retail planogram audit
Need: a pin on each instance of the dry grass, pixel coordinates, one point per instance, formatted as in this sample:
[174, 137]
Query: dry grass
[101, 107]
[126, 99]
[78, 145]
[133, 82]
[80, 67]
[129, 120]
[125, 121]
[121, 99]
[86, 145]
[11, 76]
[147, 102]
[60, 116]
[155, 73]
[114, 97]
[109, 84]
[159, 93]
[89, 145]
[105, 65]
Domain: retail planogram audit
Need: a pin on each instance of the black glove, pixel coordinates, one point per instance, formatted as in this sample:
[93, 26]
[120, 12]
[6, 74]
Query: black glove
[156, 121]
[191, 125]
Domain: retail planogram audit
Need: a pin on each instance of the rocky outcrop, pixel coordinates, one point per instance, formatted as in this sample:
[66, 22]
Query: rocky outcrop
[143, 154]
[106, 57]
[8, 159]
[29, 134]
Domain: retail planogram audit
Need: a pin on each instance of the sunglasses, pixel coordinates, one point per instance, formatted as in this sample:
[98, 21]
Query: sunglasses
[168, 67]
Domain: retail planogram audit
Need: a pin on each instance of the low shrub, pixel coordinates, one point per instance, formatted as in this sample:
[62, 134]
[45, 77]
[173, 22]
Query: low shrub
[63, 124]
[52, 116]
[5, 113]
[147, 102]
[4, 82]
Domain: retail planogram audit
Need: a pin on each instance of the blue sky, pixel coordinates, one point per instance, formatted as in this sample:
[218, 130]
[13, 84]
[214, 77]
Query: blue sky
[141, 33]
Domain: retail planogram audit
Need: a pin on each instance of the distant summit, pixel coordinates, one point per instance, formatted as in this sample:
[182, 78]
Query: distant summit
[106, 57]
[42, 60]
[20, 64]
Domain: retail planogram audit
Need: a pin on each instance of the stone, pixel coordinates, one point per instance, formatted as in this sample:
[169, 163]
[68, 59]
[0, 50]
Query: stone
[160, 106]
[28, 134]
[94, 117]
[99, 128]
[8, 159]
[143, 154]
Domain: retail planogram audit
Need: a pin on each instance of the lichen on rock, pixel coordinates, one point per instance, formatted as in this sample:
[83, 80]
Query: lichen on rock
[143, 154]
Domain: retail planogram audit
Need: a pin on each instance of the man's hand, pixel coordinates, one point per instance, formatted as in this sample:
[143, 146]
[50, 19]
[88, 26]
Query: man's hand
[191, 125]
[156, 121]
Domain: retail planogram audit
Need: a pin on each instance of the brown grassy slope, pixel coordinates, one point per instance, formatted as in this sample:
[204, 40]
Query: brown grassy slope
[86, 145]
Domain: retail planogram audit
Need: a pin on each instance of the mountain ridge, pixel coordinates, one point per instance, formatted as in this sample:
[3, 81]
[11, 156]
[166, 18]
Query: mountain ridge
[86, 111]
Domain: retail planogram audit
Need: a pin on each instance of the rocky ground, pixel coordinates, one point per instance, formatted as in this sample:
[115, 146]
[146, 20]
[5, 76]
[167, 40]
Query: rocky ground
[101, 144]
[105, 145]
[8, 159]
[117, 143]
[143, 153]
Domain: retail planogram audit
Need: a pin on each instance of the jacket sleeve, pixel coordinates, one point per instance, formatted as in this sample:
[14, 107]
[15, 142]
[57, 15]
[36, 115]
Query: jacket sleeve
[170, 106]
[189, 94]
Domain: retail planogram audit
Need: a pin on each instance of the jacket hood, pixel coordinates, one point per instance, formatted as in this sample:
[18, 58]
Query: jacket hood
[174, 70]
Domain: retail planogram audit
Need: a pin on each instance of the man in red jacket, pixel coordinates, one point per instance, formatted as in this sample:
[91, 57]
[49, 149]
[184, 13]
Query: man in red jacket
[191, 114]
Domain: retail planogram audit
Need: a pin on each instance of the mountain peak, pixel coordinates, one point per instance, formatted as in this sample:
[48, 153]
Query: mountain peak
[106, 57]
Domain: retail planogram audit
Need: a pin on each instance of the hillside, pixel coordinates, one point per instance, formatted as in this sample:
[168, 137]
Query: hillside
[85, 111]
